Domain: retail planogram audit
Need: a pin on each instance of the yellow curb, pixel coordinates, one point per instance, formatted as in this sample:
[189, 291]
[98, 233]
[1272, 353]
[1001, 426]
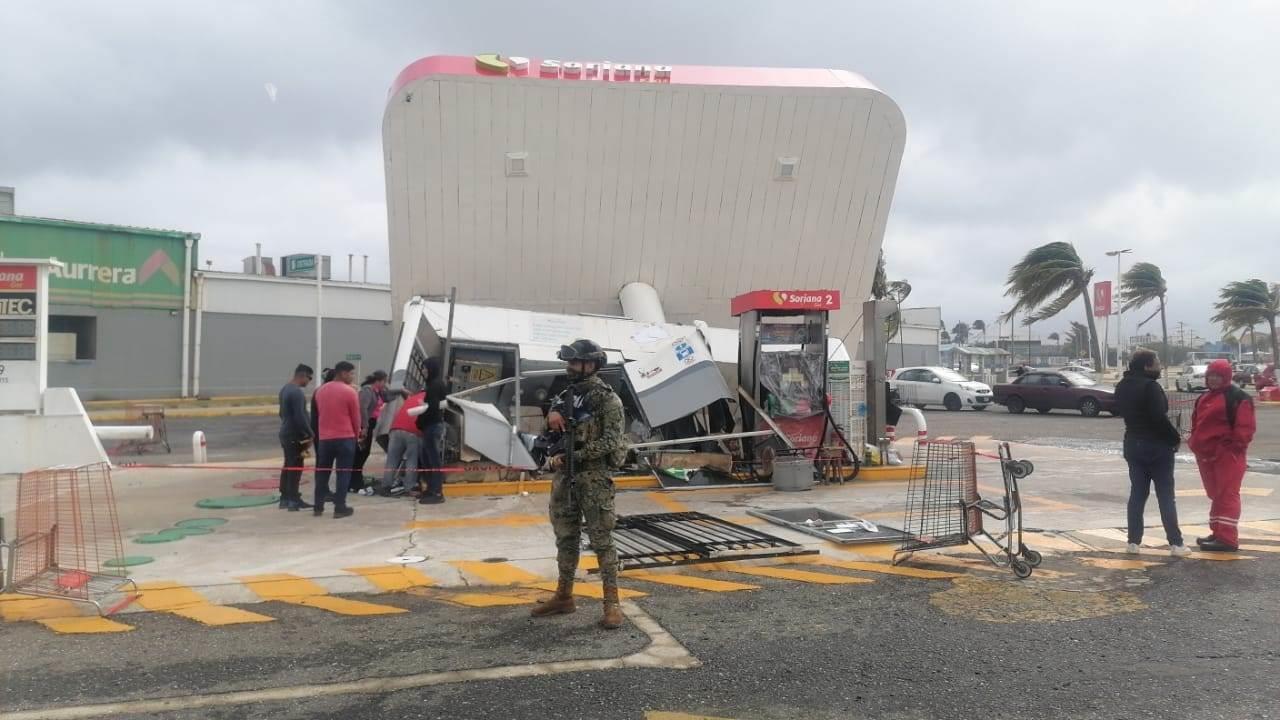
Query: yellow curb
[170, 403]
[185, 413]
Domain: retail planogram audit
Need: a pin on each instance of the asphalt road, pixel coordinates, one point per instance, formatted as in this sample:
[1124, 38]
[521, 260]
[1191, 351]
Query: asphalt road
[1178, 639]
[1062, 428]
[254, 438]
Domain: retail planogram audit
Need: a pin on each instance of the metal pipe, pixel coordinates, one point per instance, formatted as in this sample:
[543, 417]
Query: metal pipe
[257, 258]
[188, 241]
[351, 258]
[366, 268]
[319, 316]
[124, 432]
[195, 369]
[445, 358]
[704, 438]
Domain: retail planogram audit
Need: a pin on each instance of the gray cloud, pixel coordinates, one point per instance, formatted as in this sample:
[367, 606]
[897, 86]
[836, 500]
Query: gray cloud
[1145, 125]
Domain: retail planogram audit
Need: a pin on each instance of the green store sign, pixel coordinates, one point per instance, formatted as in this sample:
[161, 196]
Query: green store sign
[104, 265]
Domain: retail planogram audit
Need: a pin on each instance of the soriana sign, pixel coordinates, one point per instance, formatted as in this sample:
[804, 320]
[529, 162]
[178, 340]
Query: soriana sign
[497, 64]
[786, 300]
[17, 277]
[1102, 298]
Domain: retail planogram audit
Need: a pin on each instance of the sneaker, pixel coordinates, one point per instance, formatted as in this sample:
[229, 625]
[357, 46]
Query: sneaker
[367, 492]
[342, 512]
[1179, 550]
[1132, 549]
[431, 500]
[397, 490]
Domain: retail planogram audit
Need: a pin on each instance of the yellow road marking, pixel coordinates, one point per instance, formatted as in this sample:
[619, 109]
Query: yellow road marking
[1271, 526]
[588, 590]
[496, 521]
[743, 519]
[1260, 548]
[484, 600]
[1249, 491]
[882, 568]
[1205, 530]
[1114, 564]
[694, 583]
[393, 578]
[804, 576]
[499, 573]
[669, 503]
[588, 563]
[970, 562]
[89, 625]
[166, 596]
[876, 551]
[1112, 534]
[661, 715]
[301, 591]
[15, 607]
[1042, 503]
[1056, 542]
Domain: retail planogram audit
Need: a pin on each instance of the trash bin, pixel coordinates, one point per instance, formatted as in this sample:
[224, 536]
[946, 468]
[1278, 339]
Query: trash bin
[792, 474]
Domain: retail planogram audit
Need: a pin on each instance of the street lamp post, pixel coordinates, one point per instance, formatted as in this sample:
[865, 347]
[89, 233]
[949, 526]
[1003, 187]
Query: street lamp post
[1119, 308]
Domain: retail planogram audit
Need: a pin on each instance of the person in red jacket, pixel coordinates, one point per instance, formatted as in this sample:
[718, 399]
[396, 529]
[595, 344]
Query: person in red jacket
[338, 428]
[1222, 427]
[406, 441]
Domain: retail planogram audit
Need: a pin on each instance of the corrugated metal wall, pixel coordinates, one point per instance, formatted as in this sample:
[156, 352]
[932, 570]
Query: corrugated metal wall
[670, 185]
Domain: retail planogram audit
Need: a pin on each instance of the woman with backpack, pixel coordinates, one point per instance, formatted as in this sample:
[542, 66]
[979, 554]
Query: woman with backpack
[1222, 427]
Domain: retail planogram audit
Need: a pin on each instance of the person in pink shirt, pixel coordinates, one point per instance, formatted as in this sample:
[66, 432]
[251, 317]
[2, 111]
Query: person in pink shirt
[338, 428]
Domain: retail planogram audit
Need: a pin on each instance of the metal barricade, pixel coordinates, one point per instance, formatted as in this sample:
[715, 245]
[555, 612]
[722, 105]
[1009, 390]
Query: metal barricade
[67, 532]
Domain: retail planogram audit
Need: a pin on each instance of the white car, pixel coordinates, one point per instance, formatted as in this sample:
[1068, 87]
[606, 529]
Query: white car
[1191, 379]
[1079, 369]
[923, 386]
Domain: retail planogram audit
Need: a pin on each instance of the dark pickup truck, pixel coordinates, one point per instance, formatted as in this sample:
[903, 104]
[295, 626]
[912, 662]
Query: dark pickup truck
[1045, 390]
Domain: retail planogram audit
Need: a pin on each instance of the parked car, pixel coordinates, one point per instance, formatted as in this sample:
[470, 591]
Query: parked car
[1191, 379]
[1266, 378]
[1242, 373]
[1046, 390]
[924, 386]
[1081, 369]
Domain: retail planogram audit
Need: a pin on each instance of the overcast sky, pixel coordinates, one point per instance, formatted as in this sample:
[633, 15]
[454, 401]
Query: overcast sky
[1153, 126]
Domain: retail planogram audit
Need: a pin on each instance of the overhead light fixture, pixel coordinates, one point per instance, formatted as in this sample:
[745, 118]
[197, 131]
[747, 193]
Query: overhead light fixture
[517, 164]
[786, 168]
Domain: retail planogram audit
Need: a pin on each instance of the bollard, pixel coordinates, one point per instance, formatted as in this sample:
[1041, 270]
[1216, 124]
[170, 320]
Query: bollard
[199, 448]
[922, 429]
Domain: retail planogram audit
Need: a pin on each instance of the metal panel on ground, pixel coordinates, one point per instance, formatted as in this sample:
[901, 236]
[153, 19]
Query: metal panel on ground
[686, 538]
[834, 527]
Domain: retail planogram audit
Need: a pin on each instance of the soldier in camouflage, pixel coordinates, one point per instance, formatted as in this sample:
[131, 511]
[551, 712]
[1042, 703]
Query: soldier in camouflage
[599, 447]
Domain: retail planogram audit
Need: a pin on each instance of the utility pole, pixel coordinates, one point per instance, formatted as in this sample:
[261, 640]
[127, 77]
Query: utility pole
[1115, 291]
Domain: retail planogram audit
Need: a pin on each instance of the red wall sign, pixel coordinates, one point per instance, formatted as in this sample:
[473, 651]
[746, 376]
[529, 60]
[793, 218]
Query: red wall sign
[786, 300]
[17, 277]
[1102, 298]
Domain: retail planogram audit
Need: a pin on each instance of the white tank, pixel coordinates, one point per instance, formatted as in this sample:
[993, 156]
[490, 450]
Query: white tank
[641, 303]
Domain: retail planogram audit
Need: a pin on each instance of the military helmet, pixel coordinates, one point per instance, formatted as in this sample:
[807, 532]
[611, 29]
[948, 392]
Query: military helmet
[582, 350]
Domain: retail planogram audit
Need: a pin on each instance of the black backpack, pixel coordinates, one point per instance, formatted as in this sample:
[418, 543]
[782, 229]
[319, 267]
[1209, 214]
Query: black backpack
[1235, 396]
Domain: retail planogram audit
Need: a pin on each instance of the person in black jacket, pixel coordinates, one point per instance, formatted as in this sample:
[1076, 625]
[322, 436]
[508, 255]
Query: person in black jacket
[1150, 441]
[431, 423]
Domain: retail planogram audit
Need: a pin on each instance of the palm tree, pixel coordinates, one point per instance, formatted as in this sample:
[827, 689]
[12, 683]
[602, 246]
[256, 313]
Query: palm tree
[1055, 337]
[1141, 284]
[1047, 281]
[1247, 303]
[1077, 338]
[880, 282]
[979, 326]
[960, 333]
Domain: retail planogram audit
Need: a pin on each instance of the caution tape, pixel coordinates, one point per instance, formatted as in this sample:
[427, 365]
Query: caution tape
[312, 468]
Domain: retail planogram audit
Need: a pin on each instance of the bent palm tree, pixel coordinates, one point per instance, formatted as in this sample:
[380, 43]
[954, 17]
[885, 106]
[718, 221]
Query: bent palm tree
[1140, 285]
[980, 326]
[1246, 303]
[960, 333]
[1055, 337]
[1046, 281]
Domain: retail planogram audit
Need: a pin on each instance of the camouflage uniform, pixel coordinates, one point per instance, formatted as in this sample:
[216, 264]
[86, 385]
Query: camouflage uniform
[599, 448]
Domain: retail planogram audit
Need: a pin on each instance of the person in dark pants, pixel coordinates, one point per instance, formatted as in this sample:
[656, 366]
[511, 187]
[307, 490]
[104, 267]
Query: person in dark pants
[1150, 441]
[338, 429]
[431, 423]
[295, 435]
[372, 399]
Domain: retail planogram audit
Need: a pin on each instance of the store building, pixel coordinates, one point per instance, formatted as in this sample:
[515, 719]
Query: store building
[118, 330]
[550, 186]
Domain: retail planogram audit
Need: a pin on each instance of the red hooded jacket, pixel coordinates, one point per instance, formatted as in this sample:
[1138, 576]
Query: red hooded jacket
[1211, 430]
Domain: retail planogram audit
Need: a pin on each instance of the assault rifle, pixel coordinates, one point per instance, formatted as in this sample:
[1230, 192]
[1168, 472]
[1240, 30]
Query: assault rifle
[560, 442]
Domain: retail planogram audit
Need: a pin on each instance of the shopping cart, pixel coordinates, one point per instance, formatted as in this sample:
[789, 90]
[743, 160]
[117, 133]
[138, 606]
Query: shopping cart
[944, 508]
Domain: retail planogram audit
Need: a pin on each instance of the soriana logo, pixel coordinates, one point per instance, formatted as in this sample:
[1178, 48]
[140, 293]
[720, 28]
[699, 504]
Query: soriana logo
[496, 64]
[17, 277]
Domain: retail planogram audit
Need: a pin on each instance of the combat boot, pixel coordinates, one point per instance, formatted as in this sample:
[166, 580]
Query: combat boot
[561, 604]
[612, 619]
